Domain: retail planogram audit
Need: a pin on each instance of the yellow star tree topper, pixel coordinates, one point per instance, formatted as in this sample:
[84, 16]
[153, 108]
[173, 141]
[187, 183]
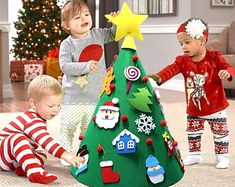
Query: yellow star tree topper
[128, 26]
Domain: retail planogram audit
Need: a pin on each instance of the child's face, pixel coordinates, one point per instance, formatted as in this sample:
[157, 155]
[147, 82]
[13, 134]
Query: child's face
[48, 106]
[80, 24]
[190, 46]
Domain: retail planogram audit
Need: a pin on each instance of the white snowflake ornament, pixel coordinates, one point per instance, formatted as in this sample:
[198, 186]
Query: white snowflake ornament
[195, 28]
[145, 124]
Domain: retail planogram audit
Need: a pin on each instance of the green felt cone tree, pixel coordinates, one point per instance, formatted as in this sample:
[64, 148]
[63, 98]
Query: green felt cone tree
[128, 142]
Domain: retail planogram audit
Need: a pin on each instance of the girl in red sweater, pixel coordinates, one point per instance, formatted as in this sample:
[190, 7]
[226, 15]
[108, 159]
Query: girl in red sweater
[202, 70]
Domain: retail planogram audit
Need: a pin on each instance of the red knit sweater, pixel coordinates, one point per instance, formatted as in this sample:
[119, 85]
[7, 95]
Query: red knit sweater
[204, 90]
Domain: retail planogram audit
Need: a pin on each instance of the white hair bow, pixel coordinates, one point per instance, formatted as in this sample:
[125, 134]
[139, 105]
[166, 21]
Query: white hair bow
[195, 28]
[61, 3]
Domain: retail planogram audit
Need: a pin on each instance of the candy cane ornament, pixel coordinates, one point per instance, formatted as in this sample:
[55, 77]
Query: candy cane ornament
[131, 73]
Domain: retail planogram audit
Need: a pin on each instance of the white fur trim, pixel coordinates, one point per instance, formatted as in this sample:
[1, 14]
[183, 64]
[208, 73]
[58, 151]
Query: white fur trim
[115, 100]
[106, 163]
[109, 108]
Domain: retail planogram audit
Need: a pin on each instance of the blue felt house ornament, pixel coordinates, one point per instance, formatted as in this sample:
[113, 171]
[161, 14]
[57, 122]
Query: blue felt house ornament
[125, 142]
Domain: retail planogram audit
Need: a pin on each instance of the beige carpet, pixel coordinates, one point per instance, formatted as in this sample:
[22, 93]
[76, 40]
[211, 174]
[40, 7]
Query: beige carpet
[205, 174]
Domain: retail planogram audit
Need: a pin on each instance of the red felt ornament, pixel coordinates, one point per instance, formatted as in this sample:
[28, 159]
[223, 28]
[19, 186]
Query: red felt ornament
[149, 141]
[174, 143]
[171, 145]
[115, 57]
[80, 137]
[135, 58]
[108, 175]
[124, 118]
[163, 123]
[100, 149]
[94, 118]
[145, 79]
[112, 86]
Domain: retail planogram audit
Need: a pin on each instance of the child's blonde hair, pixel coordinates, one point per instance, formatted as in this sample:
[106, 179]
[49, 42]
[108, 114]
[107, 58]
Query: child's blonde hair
[70, 9]
[44, 85]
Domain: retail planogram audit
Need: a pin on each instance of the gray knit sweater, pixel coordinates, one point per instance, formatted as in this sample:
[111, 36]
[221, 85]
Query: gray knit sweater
[70, 50]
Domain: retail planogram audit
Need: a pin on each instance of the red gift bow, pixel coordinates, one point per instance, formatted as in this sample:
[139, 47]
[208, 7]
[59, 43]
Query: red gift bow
[54, 53]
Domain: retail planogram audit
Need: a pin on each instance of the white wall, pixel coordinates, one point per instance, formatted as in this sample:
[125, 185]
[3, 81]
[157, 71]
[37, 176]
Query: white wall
[14, 7]
[213, 15]
[5, 27]
[160, 46]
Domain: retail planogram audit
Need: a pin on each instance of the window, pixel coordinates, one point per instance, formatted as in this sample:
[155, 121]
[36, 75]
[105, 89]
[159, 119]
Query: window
[130, 144]
[155, 7]
[121, 145]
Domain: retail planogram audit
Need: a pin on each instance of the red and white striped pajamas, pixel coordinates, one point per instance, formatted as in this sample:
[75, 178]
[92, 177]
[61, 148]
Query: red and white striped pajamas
[19, 141]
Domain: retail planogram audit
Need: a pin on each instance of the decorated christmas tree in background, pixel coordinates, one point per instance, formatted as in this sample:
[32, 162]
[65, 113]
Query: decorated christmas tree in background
[128, 142]
[38, 29]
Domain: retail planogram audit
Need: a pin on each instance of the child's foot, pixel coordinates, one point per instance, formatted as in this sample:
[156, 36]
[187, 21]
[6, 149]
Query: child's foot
[44, 178]
[192, 159]
[64, 163]
[222, 162]
[20, 172]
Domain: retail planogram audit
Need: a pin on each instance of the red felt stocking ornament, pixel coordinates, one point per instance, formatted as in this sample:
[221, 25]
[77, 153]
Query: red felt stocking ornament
[171, 145]
[108, 176]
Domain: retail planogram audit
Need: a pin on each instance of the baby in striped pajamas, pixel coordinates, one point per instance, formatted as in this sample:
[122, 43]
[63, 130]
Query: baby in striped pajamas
[20, 139]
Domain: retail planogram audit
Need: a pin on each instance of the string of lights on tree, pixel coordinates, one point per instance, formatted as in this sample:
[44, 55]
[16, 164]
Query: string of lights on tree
[38, 29]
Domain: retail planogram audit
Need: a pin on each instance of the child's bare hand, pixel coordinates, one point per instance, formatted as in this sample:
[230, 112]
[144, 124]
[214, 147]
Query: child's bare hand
[223, 74]
[156, 78]
[76, 161]
[93, 67]
[114, 13]
[72, 159]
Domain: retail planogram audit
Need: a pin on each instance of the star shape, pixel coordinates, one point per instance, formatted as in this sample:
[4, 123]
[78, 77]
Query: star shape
[127, 23]
[165, 136]
[82, 81]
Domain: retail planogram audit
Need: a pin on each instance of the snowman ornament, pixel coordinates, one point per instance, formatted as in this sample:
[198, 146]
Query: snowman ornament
[155, 172]
[83, 153]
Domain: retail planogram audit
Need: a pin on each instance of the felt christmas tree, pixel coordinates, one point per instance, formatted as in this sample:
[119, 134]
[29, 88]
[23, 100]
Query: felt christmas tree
[128, 142]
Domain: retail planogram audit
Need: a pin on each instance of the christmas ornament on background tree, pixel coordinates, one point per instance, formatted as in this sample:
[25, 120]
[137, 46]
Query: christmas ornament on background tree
[128, 137]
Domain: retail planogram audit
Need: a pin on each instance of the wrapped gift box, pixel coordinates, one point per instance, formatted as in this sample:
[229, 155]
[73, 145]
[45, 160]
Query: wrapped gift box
[31, 71]
[17, 68]
[53, 67]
